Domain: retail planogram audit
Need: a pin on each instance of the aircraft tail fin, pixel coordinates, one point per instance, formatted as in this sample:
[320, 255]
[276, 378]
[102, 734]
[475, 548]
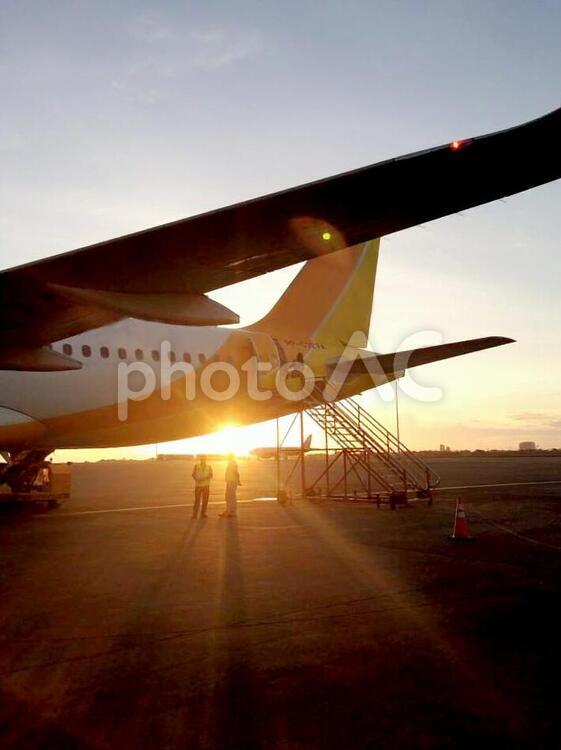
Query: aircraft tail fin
[307, 443]
[330, 299]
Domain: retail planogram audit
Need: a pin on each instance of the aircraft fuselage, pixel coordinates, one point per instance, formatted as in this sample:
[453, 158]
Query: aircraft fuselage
[80, 408]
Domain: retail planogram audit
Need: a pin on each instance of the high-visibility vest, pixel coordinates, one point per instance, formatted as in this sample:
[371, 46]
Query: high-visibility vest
[202, 475]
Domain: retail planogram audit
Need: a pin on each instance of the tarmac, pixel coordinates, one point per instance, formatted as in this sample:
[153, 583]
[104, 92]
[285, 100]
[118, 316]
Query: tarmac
[126, 624]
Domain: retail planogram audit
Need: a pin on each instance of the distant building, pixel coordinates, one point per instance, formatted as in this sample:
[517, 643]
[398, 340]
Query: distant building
[442, 447]
[527, 445]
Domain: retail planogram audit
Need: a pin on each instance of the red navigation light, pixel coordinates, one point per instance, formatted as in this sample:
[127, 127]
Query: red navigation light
[459, 145]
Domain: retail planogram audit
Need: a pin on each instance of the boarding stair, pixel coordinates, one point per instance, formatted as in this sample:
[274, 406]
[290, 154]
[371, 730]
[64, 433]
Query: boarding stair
[386, 470]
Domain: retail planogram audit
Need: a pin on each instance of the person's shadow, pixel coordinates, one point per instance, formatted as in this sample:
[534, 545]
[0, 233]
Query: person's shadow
[236, 697]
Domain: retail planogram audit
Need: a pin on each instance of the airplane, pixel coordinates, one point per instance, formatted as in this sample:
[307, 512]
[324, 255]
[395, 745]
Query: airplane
[72, 324]
[286, 451]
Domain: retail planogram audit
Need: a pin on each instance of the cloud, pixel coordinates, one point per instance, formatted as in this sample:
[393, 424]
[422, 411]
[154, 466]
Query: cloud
[540, 418]
[162, 55]
[150, 29]
[202, 48]
[529, 416]
[220, 48]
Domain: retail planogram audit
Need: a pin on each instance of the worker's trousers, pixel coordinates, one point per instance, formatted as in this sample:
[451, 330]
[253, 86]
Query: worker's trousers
[201, 493]
[231, 499]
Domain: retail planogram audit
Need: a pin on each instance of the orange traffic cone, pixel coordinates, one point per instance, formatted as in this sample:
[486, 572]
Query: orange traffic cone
[460, 532]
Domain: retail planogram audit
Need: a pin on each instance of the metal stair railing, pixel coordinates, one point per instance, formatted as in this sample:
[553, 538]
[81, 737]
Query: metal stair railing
[419, 471]
[398, 447]
[359, 433]
[346, 442]
[347, 435]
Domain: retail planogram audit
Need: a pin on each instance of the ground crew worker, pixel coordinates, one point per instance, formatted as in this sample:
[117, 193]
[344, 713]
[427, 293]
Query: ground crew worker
[202, 474]
[232, 484]
[43, 477]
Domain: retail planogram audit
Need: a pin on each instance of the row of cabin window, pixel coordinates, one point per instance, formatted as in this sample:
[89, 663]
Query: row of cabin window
[104, 353]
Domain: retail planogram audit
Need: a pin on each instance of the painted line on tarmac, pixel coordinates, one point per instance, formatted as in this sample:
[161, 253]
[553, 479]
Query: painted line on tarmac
[273, 499]
[147, 507]
[506, 529]
[270, 528]
[499, 484]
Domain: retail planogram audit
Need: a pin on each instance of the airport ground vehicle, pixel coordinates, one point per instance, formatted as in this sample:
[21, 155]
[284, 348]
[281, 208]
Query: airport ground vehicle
[50, 486]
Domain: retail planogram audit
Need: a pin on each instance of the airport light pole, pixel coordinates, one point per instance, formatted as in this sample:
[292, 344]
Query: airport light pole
[397, 414]
[326, 436]
[302, 453]
[278, 460]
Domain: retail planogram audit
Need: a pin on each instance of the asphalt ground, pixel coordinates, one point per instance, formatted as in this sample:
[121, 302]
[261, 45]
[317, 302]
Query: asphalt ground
[125, 624]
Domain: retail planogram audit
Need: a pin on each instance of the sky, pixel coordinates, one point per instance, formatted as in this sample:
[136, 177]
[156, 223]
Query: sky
[120, 116]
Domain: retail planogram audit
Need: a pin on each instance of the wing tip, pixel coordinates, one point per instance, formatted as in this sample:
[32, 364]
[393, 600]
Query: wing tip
[500, 340]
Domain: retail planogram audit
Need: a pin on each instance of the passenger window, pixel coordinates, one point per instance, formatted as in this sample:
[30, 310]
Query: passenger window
[122, 353]
[104, 351]
[139, 354]
[67, 349]
[300, 358]
[187, 357]
[86, 351]
[172, 357]
[202, 358]
[155, 355]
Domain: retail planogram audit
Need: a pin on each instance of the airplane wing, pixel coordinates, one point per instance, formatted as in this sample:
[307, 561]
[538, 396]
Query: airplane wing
[164, 273]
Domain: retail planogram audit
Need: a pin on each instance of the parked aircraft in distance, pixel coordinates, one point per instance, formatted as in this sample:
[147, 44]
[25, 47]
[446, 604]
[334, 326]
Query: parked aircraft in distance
[284, 451]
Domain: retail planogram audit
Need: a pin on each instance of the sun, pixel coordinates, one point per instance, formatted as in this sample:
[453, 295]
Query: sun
[230, 439]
